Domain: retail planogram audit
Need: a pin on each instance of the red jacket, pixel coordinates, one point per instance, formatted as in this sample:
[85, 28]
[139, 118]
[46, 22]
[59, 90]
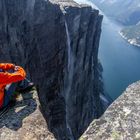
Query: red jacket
[8, 78]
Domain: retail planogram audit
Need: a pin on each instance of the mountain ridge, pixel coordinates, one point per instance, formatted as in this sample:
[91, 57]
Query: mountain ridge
[126, 12]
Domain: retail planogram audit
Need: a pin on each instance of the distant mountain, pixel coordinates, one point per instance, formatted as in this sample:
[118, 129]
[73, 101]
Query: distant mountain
[127, 12]
[132, 34]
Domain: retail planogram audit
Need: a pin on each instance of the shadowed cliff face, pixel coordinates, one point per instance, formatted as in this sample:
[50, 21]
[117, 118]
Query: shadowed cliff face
[57, 42]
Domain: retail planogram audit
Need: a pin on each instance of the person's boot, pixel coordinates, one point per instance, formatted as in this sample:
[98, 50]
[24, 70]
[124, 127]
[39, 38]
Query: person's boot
[24, 86]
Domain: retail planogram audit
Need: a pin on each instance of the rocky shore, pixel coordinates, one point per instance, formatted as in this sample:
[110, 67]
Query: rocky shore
[132, 40]
[57, 42]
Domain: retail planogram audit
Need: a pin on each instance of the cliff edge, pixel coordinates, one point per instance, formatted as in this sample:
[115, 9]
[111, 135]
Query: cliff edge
[24, 121]
[121, 121]
[56, 41]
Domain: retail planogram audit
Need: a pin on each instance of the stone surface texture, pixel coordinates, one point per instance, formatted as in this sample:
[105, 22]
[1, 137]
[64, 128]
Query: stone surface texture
[57, 42]
[24, 121]
[121, 121]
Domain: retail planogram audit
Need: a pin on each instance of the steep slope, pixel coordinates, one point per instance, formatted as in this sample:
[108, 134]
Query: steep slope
[57, 42]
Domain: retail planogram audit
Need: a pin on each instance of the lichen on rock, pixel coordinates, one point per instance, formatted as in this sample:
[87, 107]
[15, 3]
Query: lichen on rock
[121, 121]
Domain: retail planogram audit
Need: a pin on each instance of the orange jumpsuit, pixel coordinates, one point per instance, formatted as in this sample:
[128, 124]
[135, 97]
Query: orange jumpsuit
[8, 78]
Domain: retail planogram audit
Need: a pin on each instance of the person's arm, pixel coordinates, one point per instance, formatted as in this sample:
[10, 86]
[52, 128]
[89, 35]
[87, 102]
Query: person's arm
[7, 78]
[7, 66]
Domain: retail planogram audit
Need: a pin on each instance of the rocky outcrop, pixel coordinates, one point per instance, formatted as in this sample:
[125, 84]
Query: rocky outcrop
[24, 121]
[121, 121]
[57, 42]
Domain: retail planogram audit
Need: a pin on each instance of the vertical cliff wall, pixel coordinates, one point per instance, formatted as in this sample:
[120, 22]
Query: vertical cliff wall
[57, 42]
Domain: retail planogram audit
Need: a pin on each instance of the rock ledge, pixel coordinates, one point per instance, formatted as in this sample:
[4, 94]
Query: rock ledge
[24, 121]
[121, 121]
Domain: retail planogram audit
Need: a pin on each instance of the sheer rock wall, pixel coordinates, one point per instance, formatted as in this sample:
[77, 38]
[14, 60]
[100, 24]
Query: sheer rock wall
[57, 42]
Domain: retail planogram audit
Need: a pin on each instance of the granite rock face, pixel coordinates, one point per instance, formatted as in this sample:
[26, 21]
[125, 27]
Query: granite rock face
[24, 120]
[121, 121]
[57, 42]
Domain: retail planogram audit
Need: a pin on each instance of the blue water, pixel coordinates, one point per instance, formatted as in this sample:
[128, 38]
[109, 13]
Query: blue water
[120, 60]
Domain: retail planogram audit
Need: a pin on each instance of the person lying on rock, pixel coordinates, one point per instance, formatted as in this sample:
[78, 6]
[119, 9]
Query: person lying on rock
[12, 79]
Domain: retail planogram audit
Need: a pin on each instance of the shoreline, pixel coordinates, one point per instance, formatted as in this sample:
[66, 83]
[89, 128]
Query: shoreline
[130, 41]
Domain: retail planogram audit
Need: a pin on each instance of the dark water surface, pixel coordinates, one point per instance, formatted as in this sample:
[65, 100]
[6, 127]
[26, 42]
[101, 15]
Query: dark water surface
[120, 60]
